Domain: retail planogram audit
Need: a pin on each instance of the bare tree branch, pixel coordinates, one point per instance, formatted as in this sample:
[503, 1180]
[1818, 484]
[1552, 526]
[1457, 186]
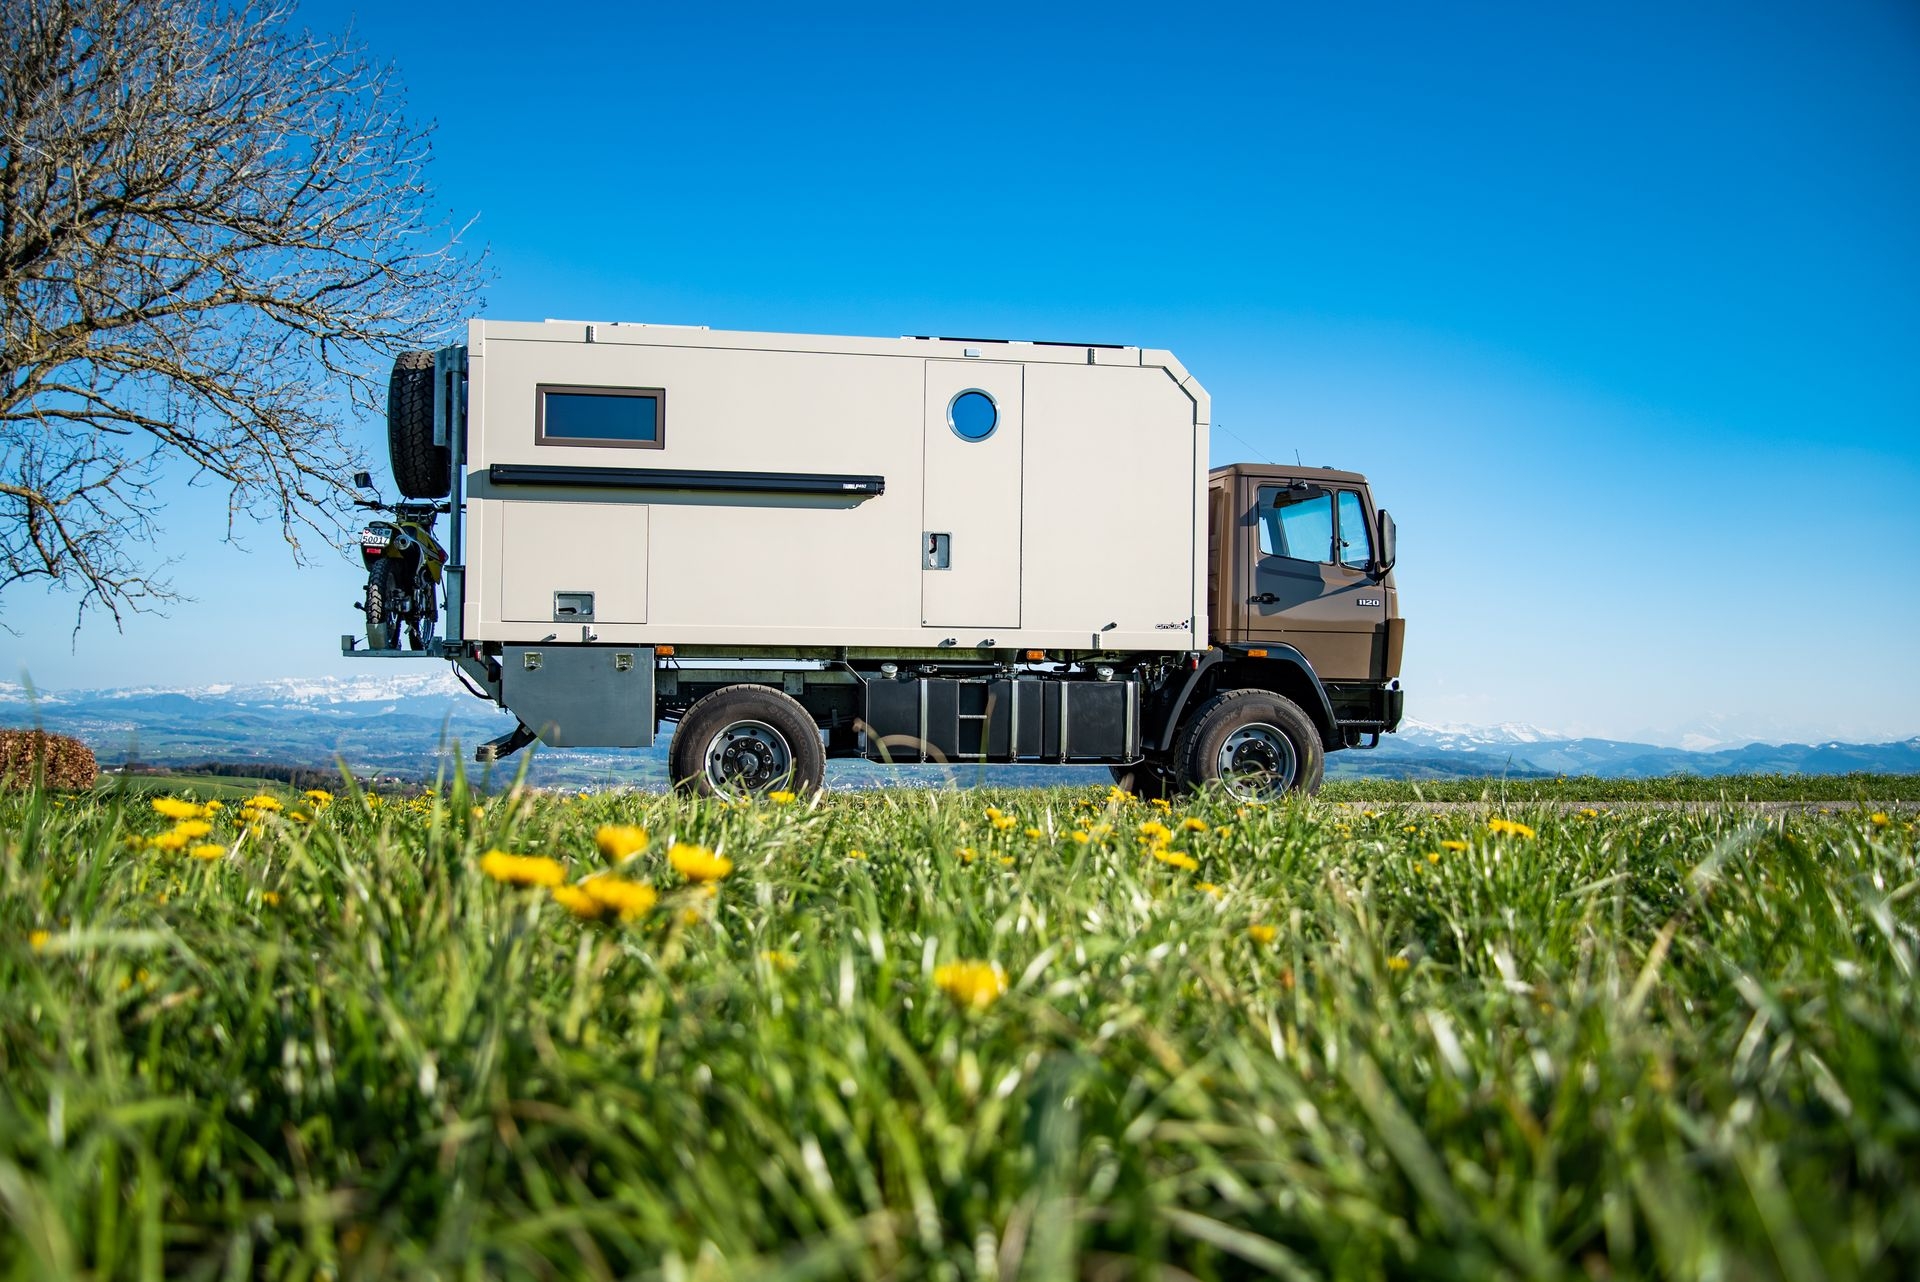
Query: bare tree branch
[214, 237]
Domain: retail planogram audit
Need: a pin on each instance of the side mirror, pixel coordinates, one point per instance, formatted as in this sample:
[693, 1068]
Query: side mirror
[1383, 560]
[363, 480]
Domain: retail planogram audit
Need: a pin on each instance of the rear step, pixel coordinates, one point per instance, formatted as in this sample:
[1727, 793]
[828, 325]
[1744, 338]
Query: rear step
[506, 745]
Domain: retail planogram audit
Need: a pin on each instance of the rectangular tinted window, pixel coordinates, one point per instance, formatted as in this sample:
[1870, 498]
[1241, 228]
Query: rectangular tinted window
[1356, 545]
[1297, 524]
[613, 416]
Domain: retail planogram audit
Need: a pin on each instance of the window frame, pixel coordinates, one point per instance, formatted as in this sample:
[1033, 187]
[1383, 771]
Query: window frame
[1366, 530]
[658, 395]
[1261, 507]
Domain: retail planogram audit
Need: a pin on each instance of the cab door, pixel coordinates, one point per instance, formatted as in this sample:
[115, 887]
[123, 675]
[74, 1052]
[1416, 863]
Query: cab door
[1310, 544]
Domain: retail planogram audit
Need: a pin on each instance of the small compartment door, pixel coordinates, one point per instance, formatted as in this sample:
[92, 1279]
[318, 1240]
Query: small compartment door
[971, 473]
[556, 557]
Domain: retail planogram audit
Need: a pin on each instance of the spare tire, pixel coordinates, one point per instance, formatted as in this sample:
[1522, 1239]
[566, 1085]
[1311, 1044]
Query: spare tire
[421, 469]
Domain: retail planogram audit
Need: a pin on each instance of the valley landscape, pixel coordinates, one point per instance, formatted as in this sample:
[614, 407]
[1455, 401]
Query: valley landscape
[396, 727]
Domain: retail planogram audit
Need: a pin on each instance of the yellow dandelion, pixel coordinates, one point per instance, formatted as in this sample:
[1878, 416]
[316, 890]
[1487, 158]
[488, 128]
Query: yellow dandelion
[1397, 964]
[1589, 813]
[782, 961]
[1508, 827]
[1224, 830]
[300, 816]
[318, 796]
[1411, 828]
[1035, 834]
[1006, 861]
[1455, 846]
[618, 842]
[1194, 825]
[1879, 819]
[1118, 796]
[175, 808]
[973, 985]
[856, 854]
[263, 802]
[1432, 858]
[632, 900]
[1080, 837]
[579, 903]
[210, 807]
[1162, 804]
[1177, 858]
[271, 898]
[1004, 822]
[1261, 933]
[697, 863]
[191, 828]
[211, 850]
[781, 797]
[37, 939]
[1207, 887]
[522, 870]
[994, 812]
[170, 841]
[966, 854]
[1155, 831]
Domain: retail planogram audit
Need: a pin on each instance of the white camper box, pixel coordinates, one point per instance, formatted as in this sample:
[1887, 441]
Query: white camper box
[801, 491]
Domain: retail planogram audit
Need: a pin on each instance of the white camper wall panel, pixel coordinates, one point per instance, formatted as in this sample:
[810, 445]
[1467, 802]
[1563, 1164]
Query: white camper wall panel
[1089, 520]
[1109, 515]
[607, 556]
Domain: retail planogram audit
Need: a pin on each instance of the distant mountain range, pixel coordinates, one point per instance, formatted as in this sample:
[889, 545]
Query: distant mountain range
[404, 725]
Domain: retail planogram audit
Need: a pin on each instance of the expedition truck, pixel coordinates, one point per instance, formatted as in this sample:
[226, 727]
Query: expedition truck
[792, 548]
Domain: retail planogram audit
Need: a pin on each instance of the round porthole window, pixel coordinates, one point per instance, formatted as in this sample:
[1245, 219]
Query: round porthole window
[973, 415]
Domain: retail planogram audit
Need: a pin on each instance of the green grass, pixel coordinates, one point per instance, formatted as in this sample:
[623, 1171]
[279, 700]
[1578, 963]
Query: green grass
[203, 787]
[1863, 789]
[1641, 1043]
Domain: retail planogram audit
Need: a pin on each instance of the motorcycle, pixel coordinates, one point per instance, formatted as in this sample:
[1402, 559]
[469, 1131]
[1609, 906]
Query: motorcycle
[404, 563]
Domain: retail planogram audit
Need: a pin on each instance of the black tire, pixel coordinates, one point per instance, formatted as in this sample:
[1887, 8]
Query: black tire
[383, 605]
[730, 728]
[421, 469]
[1144, 782]
[1262, 720]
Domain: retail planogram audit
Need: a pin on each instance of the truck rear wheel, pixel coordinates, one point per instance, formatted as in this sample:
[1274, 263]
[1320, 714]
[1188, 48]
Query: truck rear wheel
[745, 740]
[421, 469]
[1254, 743]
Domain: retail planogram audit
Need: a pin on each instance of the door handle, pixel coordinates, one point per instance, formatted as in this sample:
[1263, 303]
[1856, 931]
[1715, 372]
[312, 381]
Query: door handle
[1265, 598]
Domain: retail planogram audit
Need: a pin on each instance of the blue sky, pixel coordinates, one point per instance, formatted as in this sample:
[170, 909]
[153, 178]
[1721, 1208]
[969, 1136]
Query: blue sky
[1618, 306]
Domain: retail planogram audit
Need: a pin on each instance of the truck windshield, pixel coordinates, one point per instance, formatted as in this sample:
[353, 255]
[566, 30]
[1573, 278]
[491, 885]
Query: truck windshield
[1297, 524]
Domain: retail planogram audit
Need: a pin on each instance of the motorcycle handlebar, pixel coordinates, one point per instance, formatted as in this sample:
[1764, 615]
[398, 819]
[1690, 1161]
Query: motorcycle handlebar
[377, 506]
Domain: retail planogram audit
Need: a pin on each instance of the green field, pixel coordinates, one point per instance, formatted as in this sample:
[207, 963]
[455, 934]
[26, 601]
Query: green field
[1355, 1040]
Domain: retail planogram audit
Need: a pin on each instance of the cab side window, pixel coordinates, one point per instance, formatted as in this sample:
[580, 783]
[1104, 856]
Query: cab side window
[1356, 544]
[1297, 524]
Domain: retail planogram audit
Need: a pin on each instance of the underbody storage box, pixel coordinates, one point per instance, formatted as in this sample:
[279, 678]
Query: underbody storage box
[576, 696]
[634, 484]
[1000, 719]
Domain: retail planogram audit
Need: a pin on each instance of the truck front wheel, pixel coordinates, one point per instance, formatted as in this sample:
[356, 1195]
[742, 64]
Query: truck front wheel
[1254, 743]
[744, 740]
